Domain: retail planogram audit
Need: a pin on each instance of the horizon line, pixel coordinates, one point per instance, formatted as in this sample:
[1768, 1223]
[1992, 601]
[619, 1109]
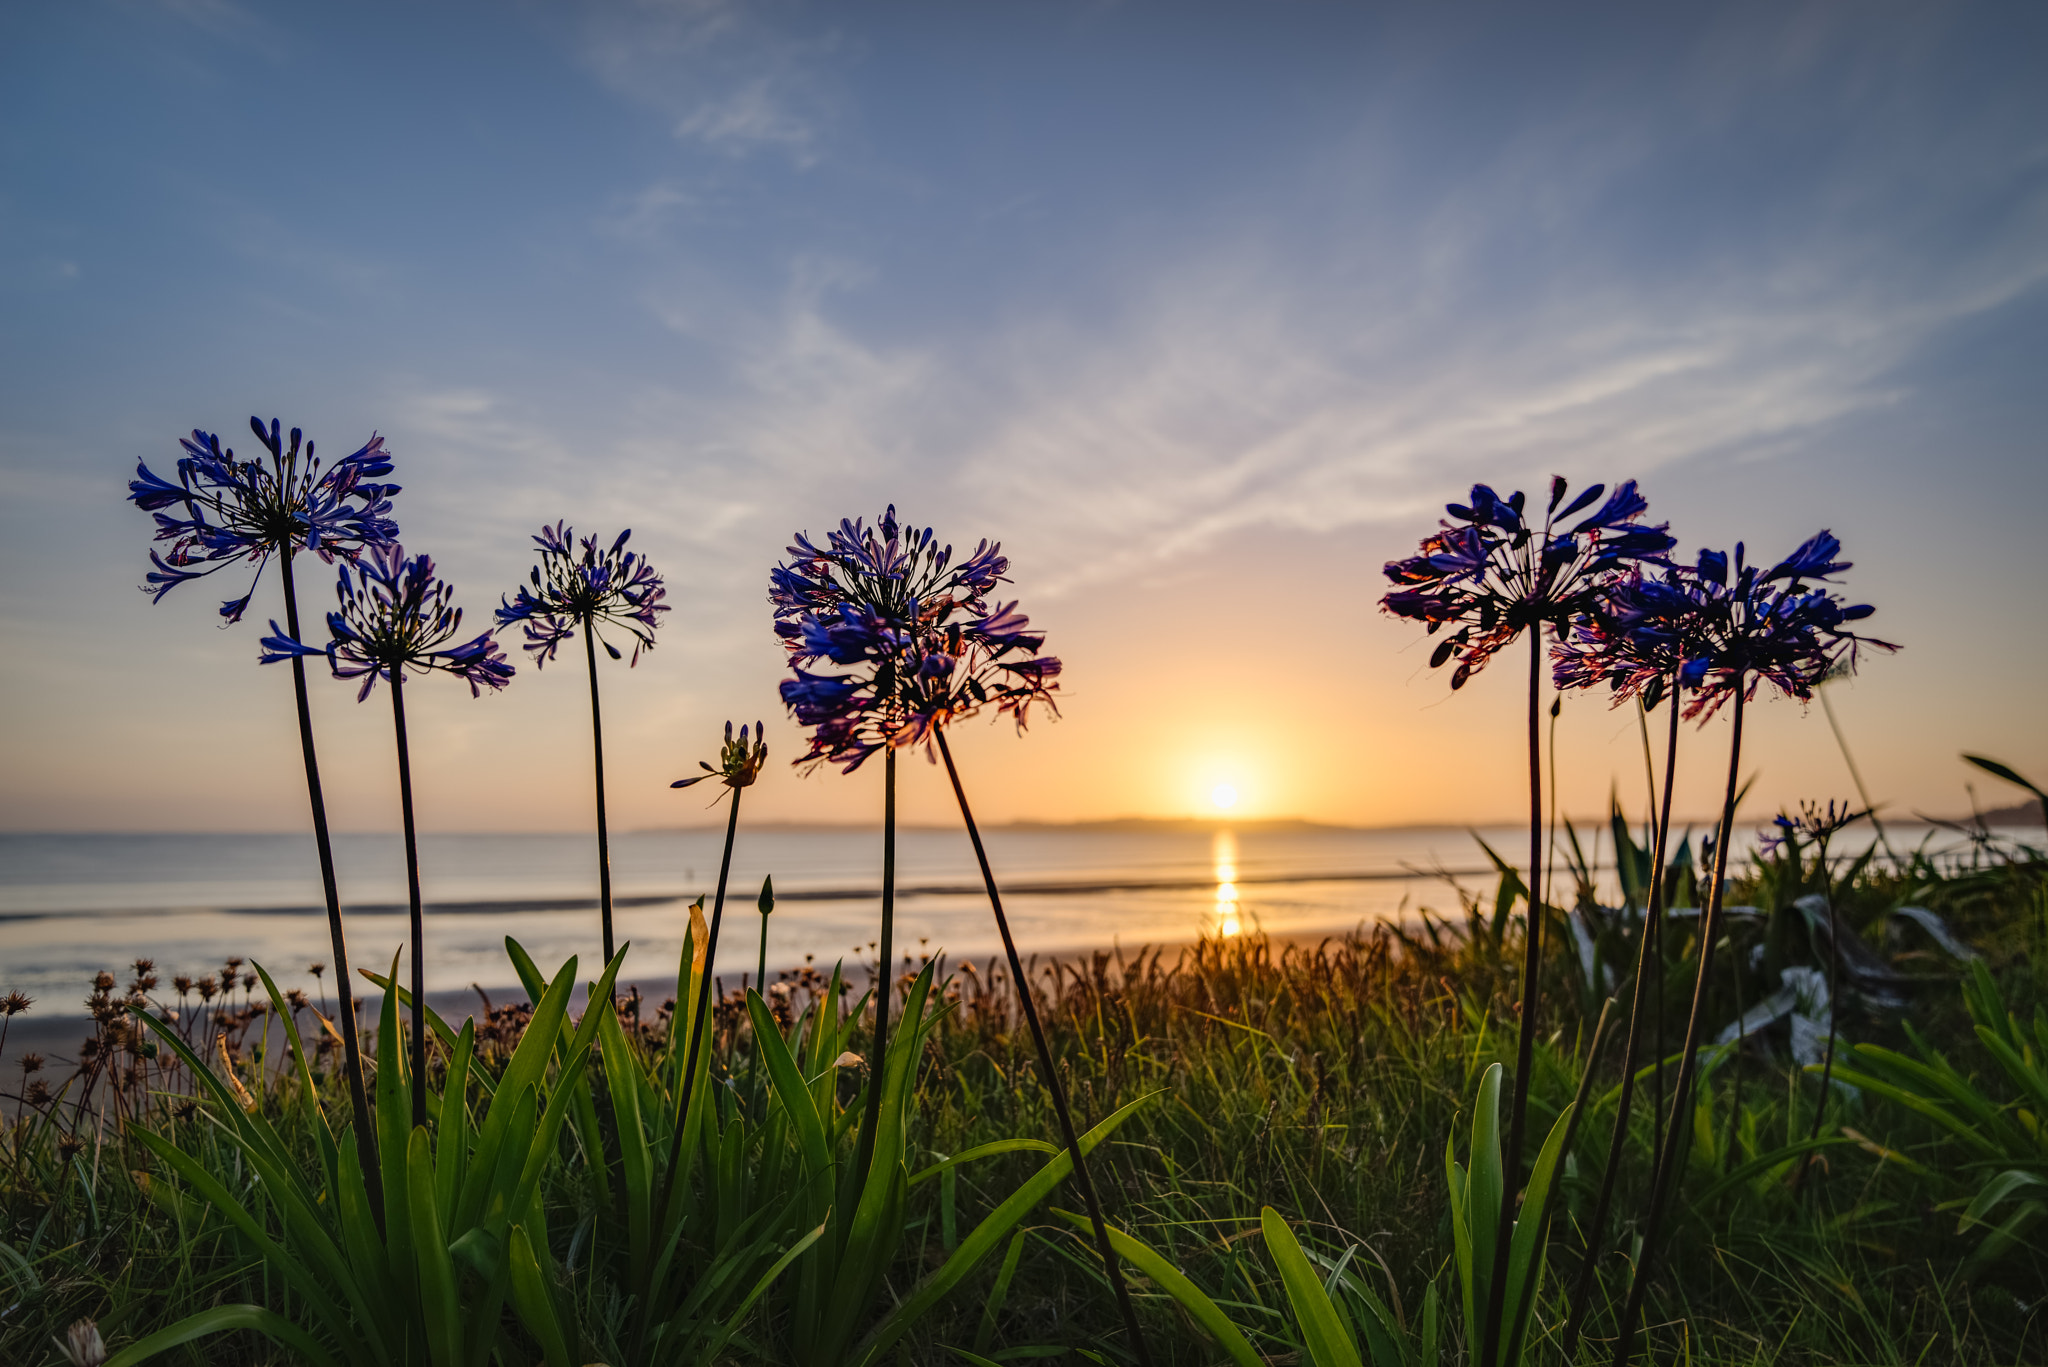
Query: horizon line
[2004, 815]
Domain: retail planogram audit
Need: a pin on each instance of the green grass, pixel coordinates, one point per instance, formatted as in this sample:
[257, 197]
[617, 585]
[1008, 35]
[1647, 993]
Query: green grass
[1321, 1080]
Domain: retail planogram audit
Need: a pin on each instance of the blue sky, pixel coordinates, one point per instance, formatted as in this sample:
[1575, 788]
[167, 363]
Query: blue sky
[1202, 310]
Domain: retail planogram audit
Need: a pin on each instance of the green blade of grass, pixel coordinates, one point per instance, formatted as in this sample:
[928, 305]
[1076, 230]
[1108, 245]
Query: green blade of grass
[1170, 1279]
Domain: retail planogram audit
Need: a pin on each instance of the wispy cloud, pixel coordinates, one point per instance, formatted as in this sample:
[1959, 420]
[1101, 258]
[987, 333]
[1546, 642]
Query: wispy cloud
[753, 118]
[1397, 315]
[738, 80]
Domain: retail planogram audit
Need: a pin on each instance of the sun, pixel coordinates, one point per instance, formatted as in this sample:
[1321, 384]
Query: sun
[1224, 796]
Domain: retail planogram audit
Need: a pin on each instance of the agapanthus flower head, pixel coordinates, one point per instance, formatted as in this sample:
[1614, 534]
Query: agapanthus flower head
[1493, 570]
[1814, 824]
[1647, 631]
[1776, 625]
[909, 635]
[221, 511]
[577, 584]
[396, 613]
[739, 759]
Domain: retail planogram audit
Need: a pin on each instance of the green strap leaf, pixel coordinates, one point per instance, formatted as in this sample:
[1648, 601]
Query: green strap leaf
[218, 1320]
[1996, 1192]
[977, 1245]
[1532, 1233]
[988, 1150]
[527, 1068]
[1322, 1330]
[533, 1300]
[1993, 767]
[1168, 1278]
[279, 1009]
[292, 1270]
[438, 1307]
[635, 1161]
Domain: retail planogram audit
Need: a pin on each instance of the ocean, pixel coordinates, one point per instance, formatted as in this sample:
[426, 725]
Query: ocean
[71, 905]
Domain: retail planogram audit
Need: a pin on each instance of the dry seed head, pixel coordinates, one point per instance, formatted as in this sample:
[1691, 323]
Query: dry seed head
[81, 1345]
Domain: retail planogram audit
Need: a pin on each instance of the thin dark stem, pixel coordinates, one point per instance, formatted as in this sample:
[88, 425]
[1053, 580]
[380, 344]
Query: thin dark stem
[351, 1050]
[1660, 1043]
[885, 976]
[412, 885]
[1735, 1060]
[1046, 1072]
[1649, 771]
[1855, 776]
[1665, 1176]
[761, 962]
[1646, 965]
[1827, 1067]
[757, 1088]
[699, 1012]
[604, 851]
[1525, 1041]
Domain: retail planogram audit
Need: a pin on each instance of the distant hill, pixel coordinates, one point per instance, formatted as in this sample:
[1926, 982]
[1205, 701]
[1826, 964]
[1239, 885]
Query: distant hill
[2018, 814]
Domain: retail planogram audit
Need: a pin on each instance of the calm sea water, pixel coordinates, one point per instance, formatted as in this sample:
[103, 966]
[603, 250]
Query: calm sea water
[71, 905]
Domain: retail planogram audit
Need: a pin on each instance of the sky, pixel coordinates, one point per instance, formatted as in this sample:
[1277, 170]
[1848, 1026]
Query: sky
[1203, 311]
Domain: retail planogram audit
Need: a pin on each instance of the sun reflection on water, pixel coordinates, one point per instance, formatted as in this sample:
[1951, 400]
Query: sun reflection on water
[1225, 855]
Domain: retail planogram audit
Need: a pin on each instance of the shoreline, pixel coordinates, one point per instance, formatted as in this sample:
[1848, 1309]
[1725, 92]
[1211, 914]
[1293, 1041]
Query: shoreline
[56, 1036]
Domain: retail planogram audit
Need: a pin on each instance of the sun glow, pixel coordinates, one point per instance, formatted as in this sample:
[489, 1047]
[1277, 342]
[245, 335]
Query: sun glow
[1224, 795]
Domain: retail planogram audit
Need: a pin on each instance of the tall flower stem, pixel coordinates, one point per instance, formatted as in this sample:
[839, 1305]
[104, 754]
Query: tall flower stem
[757, 1099]
[699, 1016]
[604, 853]
[1856, 776]
[412, 884]
[1648, 963]
[1047, 1073]
[1525, 1042]
[1827, 1068]
[351, 1050]
[761, 960]
[1665, 1174]
[885, 976]
[1735, 1067]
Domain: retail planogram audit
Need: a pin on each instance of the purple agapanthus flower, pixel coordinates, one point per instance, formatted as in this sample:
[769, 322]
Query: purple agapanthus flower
[396, 614]
[577, 584]
[1773, 626]
[1646, 632]
[1815, 825]
[913, 638]
[222, 511]
[1491, 571]
[1702, 625]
